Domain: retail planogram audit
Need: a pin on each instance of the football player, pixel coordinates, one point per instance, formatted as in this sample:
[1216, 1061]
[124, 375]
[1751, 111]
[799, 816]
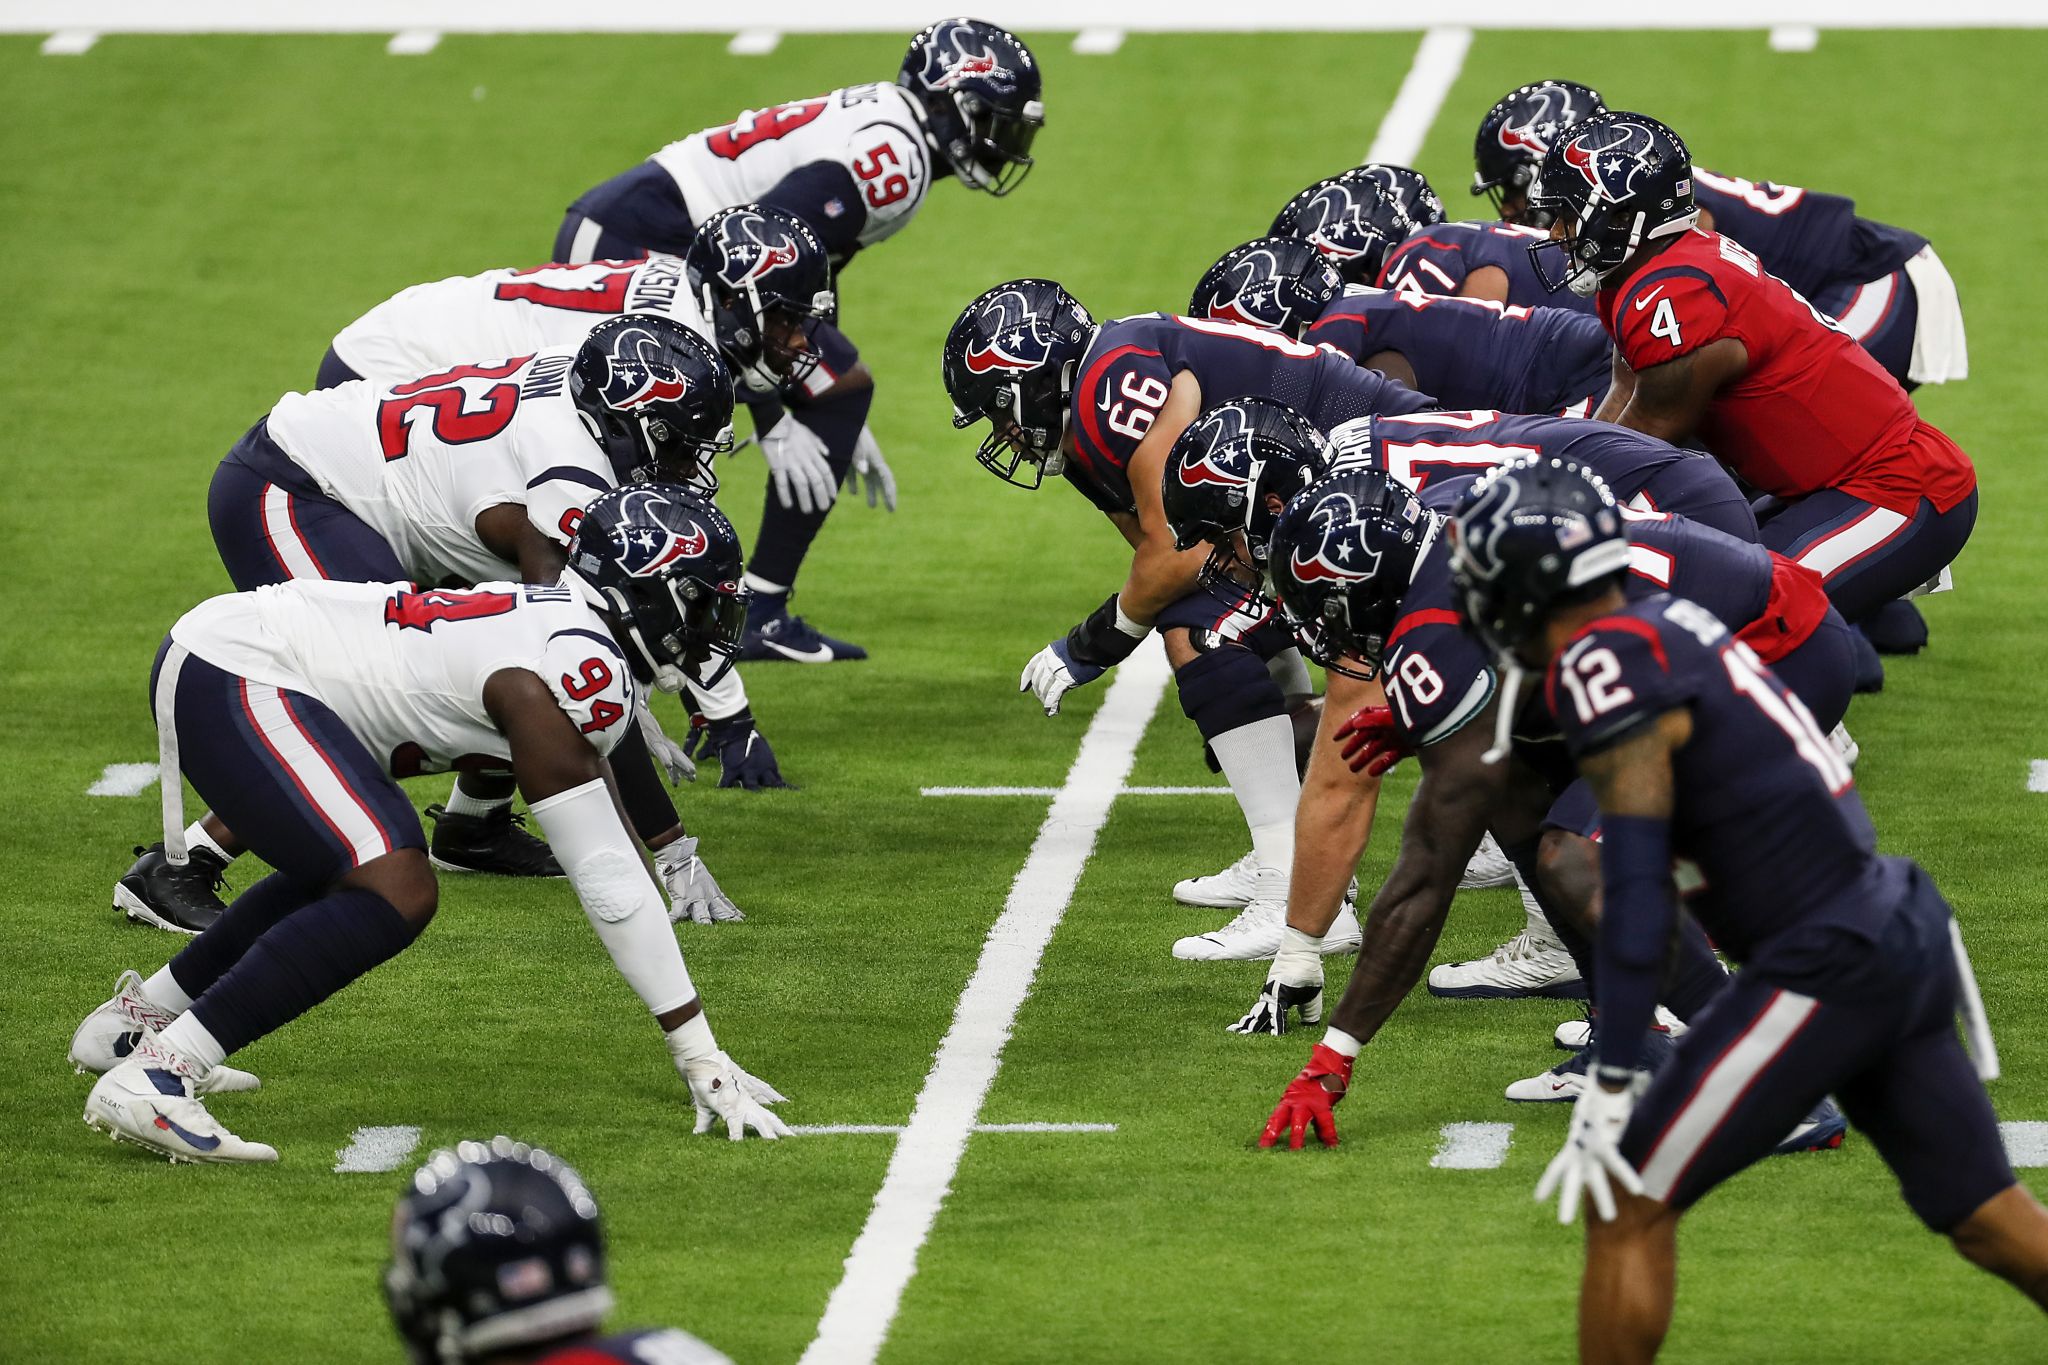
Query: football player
[498, 1258]
[1473, 260]
[293, 710]
[1853, 969]
[855, 164]
[1883, 285]
[1355, 219]
[1102, 406]
[1710, 345]
[473, 474]
[1469, 353]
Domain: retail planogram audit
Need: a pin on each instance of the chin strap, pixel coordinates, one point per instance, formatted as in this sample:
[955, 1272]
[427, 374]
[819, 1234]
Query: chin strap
[1504, 718]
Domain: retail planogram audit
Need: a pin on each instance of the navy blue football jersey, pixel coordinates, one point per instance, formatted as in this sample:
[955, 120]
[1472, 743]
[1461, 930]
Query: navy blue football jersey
[1436, 260]
[1807, 239]
[1128, 371]
[1767, 828]
[1475, 353]
[1437, 675]
[1729, 577]
[662, 1346]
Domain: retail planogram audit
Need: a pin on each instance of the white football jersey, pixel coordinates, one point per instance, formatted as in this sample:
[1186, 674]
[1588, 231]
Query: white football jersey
[503, 313]
[875, 131]
[405, 669]
[419, 460]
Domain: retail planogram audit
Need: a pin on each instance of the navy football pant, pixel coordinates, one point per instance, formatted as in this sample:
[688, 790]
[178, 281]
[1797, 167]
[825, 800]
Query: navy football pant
[787, 532]
[1882, 315]
[1865, 554]
[272, 523]
[334, 371]
[629, 215]
[1701, 491]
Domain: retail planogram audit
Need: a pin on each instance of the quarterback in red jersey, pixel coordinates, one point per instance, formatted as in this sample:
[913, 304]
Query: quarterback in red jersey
[1709, 345]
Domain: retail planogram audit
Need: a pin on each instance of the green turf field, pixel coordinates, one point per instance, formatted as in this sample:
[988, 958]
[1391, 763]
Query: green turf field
[189, 221]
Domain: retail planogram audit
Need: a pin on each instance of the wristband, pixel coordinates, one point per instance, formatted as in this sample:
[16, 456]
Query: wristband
[1300, 957]
[1342, 1043]
[692, 1042]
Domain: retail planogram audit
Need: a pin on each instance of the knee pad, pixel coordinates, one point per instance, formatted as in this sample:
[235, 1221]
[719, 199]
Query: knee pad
[1225, 687]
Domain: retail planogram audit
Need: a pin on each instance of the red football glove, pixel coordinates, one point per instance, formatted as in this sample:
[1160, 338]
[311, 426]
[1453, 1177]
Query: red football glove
[1370, 744]
[1308, 1102]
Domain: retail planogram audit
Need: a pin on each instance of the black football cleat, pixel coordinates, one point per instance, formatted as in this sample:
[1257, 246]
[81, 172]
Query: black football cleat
[497, 843]
[183, 900]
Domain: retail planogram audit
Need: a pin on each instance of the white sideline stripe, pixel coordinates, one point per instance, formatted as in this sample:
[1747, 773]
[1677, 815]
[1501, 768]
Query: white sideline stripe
[754, 42]
[124, 779]
[1795, 38]
[1473, 1146]
[70, 42]
[1055, 791]
[376, 1149]
[843, 1129]
[884, 1257]
[2026, 1143]
[1098, 42]
[2037, 775]
[413, 42]
[1438, 59]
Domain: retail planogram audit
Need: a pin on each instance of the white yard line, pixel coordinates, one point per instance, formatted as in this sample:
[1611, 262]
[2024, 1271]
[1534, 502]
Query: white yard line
[123, 779]
[1438, 60]
[1215, 790]
[2037, 775]
[866, 1129]
[2026, 1144]
[413, 42]
[1098, 42]
[377, 1149]
[1473, 1146]
[884, 1256]
[70, 42]
[754, 42]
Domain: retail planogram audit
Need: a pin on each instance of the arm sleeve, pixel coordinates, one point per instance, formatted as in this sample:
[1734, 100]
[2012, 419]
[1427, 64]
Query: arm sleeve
[1636, 920]
[1667, 314]
[722, 702]
[618, 893]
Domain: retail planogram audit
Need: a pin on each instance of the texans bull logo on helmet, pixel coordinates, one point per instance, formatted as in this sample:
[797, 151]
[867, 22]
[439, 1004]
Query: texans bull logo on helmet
[636, 375]
[1226, 455]
[1341, 553]
[966, 60]
[752, 247]
[1336, 222]
[1251, 291]
[1017, 340]
[1614, 158]
[647, 545]
[1408, 192]
[1549, 111]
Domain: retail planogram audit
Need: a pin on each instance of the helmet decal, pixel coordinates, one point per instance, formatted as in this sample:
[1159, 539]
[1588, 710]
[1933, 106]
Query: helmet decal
[1018, 339]
[970, 64]
[635, 373]
[644, 543]
[1340, 553]
[1253, 281]
[1549, 113]
[1614, 158]
[1221, 430]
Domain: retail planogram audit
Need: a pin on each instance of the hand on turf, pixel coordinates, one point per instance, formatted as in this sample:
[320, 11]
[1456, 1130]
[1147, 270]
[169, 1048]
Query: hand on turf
[1592, 1153]
[721, 1091]
[1370, 744]
[797, 465]
[1295, 982]
[673, 758]
[1309, 1103]
[870, 472]
[744, 758]
[693, 893]
[1052, 672]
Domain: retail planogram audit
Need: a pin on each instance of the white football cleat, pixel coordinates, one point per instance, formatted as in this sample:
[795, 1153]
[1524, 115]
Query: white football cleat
[693, 892]
[1254, 936]
[1524, 966]
[1232, 888]
[1489, 867]
[150, 1100]
[1574, 1034]
[111, 1033]
[1845, 744]
[1345, 933]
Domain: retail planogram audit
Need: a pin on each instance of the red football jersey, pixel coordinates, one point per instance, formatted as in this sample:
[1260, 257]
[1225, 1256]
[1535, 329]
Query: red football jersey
[1813, 411]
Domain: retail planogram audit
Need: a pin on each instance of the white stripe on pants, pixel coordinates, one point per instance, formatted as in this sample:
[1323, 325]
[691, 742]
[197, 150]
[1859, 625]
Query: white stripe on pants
[1868, 306]
[294, 747]
[1721, 1089]
[1839, 548]
[281, 533]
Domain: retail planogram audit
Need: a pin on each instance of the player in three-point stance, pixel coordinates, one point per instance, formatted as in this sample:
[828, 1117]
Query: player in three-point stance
[293, 709]
[855, 164]
[1715, 782]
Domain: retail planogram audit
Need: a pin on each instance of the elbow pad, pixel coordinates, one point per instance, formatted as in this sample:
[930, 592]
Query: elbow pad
[1107, 637]
[618, 893]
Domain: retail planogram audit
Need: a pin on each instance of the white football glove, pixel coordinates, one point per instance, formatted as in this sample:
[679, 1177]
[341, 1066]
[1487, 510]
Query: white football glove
[675, 762]
[1295, 982]
[693, 893]
[870, 471]
[720, 1090]
[796, 460]
[1053, 672]
[1592, 1152]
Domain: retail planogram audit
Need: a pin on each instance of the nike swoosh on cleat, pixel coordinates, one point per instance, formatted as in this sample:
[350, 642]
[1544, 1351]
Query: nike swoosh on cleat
[198, 1143]
[821, 655]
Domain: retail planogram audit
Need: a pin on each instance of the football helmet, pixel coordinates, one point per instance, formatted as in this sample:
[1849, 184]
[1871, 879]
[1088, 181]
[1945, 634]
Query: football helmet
[1349, 220]
[495, 1246]
[1010, 357]
[1342, 555]
[1409, 191]
[1218, 477]
[1279, 283]
[1528, 537]
[980, 87]
[1612, 182]
[664, 565]
[656, 396]
[764, 280]
[1515, 135]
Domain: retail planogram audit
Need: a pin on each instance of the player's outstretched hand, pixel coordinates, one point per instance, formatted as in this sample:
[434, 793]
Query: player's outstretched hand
[1592, 1153]
[870, 472]
[797, 464]
[693, 893]
[721, 1091]
[744, 758]
[1294, 983]
[1310, 1103]
[1052, 672]
[1370, 744]
[673, 759]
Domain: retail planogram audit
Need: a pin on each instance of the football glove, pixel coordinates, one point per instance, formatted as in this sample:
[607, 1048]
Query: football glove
[721, 1091]
[870, 472]
[672, 757]
[744, 758]
[1370, 744]
[797, 465]
[693, 893]
[1295, 982]
[1053, 671]
[1307, 1102]
[1592, 1152]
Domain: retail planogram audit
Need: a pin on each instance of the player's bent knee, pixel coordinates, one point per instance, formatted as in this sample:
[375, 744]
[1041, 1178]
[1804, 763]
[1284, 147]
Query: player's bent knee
[404, 878]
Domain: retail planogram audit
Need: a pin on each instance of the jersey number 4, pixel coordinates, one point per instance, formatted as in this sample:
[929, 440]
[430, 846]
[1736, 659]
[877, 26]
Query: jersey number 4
[425, 610]
[603, 287]
[454, 423]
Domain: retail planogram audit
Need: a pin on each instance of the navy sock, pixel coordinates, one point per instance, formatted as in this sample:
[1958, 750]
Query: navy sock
[786, 533]
[209, 957]
[303, 958]
[1227, 688]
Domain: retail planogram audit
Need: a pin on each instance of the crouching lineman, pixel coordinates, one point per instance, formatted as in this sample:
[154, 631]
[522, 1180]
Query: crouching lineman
[518, 1275]
[1701, 759]
[293, 708]
[1103, 405]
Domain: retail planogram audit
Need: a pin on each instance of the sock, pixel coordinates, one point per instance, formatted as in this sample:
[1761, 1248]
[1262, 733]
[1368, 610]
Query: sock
[208, 957]
[1523, 855]
[1538, 926]
[1697, 976]
[300, 961]
[192, 1040]
[163, 991]
[461, 802]
[197, 837]
[1258, 762]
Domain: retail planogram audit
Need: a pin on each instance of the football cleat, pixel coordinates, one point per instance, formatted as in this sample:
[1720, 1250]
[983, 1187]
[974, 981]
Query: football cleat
[1254, 935]
[151, 1100]
[1523, 967]
[776, 636]
[184, 900]
[497, 842]
[1564, 1081]
[1574, 1034]
[1231, 888]
[1820, 1131]
[1489, 868]
[110, 1034]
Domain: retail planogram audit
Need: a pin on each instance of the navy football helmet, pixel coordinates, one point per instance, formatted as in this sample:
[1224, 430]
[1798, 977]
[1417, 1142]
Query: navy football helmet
[1010, 357]
[1341, 559]
[656, 396]
[1515, 136]
[1279, 283]
[495, 1248]
[980, 89]
[763, 278]
[1349, 220]
[1612, 183]
[1219, 477]
[664, 565]
[1409, 191]
[1528, 537]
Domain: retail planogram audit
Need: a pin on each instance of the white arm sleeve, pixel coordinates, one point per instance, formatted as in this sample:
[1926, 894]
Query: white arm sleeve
[727, 699]
[618, 892]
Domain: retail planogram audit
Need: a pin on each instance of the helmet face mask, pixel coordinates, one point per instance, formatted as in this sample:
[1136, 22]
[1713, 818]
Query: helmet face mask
[655, 397]
[664, 564]
[1010, 357]
[1613, 184]
[979, 86]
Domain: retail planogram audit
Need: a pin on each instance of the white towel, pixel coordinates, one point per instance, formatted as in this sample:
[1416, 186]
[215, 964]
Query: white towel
[1941, 353]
